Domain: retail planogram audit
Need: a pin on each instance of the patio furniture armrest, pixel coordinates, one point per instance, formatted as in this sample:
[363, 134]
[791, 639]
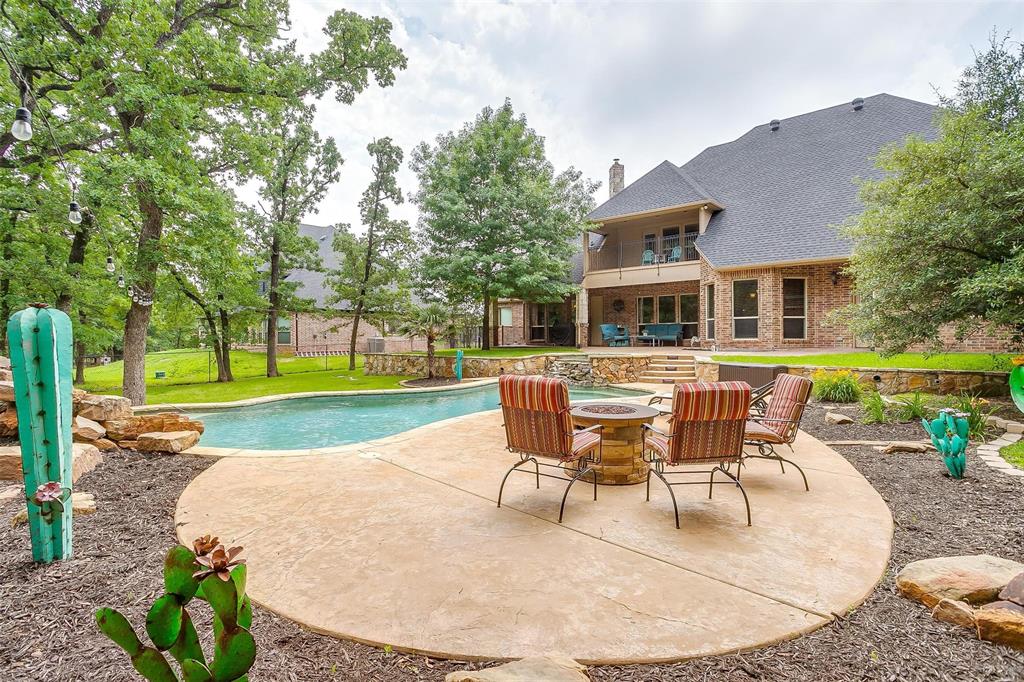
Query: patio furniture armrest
[644, 428]
[595, 427]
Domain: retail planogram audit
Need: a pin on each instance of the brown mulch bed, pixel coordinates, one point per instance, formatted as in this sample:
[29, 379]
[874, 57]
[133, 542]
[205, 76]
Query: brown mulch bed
[47, 631]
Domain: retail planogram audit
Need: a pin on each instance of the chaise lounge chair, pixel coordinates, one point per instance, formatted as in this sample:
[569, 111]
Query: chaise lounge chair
[614, 335]
[538, 424]
[780, 421]
[707, 426]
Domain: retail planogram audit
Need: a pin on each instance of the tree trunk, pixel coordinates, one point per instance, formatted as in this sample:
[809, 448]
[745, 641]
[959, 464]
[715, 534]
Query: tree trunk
[80, 353]
[275, 301]
[136, 323]
[430, 356]
[355, 335]
[225, 348]
[486, 336]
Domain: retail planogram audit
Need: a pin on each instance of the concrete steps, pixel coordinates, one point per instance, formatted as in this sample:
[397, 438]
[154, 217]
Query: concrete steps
[670, 369]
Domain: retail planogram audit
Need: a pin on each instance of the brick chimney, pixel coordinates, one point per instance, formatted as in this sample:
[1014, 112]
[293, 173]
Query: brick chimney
[616, 178]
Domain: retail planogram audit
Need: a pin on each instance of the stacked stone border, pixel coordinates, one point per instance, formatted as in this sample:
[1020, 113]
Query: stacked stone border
[605, 367]
[989, 452]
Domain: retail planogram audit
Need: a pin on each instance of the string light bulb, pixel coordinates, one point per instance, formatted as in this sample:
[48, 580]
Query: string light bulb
[22, 126]
[120, 281]
[110, 264]
[75, 213]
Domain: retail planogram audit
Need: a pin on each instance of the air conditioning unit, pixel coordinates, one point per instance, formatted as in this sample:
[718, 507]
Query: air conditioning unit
[375, 344]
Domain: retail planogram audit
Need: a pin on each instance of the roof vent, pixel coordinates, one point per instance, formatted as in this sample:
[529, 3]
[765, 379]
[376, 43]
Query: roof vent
[774, 124]
[858, 104]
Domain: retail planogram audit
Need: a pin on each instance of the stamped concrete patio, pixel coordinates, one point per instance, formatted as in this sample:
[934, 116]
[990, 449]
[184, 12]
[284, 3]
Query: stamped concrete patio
[398, 542]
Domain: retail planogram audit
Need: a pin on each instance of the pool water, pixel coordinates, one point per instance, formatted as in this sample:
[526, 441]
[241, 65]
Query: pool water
[323, 422]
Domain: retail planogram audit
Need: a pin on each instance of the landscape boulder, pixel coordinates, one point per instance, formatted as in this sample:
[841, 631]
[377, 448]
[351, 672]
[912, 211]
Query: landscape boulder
[838, 418]
[905, 446]
[9, 422]
[102, 408]
[975, 579]
[84, 430]
[1014, 590]
[547, 668]
[171, 441]
[105, 444]
[85, 458]
[1001, 625]
[7, 391]
[955, 612]
[131, 428]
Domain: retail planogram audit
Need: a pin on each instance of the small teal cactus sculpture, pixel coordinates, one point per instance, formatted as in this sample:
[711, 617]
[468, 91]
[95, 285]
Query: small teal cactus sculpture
[210, 573]
[40, 341]
[949, 432]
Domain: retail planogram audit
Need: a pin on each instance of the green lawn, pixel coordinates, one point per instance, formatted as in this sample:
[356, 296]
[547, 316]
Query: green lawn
[972, 361]
[508, 352]
[187, 377]
[1014, 454]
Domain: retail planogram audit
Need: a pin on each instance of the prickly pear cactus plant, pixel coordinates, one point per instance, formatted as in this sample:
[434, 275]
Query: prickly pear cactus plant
[949, 433]
[40, 342]
[207, 572]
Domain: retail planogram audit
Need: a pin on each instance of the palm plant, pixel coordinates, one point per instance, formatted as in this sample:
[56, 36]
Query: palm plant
[432, 321]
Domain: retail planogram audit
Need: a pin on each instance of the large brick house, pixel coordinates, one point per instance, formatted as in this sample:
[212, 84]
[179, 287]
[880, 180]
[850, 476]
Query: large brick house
[740, 244]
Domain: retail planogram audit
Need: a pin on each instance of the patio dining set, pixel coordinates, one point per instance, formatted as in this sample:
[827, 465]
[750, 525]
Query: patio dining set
[618, 444]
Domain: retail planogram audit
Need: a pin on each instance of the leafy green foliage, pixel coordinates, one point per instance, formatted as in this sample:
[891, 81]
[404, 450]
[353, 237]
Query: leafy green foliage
[977, 410]
[984, 362]
[496, 220]
[170, 627]
[913, 407]
[874, 408]
[840, 386]
[941, 240]
[373, 274]
[431, 322]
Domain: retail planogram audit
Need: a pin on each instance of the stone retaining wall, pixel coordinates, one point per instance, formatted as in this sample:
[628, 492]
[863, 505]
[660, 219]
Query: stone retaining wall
[939, 381]
[613, 369]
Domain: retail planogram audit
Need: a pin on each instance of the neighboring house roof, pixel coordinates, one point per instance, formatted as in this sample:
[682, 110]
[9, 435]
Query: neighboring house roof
[311, 282]
[785, 191]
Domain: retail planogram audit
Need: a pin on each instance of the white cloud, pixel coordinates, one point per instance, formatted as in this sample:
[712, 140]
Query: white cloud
[642, 82]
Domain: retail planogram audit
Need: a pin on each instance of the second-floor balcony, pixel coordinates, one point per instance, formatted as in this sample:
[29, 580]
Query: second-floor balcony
[645, 252]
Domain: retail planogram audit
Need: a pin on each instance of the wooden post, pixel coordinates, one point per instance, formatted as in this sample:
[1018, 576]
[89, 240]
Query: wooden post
[42, 362]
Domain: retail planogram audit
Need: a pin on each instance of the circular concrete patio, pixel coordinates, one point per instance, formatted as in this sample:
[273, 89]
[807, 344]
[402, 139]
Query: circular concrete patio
[398, 542]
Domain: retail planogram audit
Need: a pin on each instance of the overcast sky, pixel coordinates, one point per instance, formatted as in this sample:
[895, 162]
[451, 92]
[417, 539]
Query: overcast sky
[643, 82]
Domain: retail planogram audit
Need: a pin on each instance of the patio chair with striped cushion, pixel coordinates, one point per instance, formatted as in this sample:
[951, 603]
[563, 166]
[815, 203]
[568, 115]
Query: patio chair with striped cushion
[538, 424]
[779, 423]
[707, 426]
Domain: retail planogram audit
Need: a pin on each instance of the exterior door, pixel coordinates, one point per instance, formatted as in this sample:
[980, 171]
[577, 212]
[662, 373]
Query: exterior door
[596, 319]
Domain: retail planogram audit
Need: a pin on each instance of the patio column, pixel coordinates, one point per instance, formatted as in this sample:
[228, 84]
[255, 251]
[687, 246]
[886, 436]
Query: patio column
[583, 318]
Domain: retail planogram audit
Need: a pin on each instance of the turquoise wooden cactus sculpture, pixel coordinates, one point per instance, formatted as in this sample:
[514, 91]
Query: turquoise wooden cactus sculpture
[40, 341]
[210, 573]
[949, 432]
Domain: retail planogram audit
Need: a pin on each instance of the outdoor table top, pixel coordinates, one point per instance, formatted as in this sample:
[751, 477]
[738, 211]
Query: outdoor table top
[613, 411]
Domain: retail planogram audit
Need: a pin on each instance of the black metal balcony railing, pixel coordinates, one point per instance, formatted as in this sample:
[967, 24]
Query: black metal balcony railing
[658, 251]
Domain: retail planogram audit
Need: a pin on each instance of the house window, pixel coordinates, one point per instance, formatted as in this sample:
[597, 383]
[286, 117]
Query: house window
[709, 307]
[666, 309]
[744, 309]
[794, 308]
[263, 286]
[688, 315]
[645, 310]
[284, 330]
[505, 316]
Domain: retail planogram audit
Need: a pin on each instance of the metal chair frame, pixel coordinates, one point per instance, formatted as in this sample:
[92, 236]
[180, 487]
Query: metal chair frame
[525, 457]
[658, 469]
[766, 450]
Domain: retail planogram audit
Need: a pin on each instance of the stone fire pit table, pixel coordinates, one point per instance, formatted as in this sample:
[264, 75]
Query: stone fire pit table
[622, 461]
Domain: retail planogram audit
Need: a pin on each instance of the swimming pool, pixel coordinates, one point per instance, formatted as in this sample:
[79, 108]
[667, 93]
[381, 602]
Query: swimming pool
[337, 420]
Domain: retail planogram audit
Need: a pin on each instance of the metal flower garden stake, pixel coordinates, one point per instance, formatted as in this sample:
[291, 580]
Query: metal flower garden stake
[40, 341]
[949, 432]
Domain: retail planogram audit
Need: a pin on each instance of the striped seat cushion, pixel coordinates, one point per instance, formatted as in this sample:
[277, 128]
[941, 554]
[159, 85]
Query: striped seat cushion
[760, 433]
[583, 443]
[708, 421]
[536, 412]
[657, 443]
[786, 405]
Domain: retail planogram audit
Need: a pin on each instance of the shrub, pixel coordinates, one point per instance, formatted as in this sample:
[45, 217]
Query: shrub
[977, 410]
[874, 408]
[840, 386]
[912, 407]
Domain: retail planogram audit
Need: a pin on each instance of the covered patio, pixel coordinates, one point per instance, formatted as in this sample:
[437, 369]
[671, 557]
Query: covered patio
[398, 542]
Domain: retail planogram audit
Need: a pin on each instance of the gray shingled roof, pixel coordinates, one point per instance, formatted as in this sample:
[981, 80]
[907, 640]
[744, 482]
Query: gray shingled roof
[311, 282]
[664, 186]
[784, 192]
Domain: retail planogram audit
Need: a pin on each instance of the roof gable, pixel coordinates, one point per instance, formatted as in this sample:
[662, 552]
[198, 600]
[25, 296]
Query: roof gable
[664, 186]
